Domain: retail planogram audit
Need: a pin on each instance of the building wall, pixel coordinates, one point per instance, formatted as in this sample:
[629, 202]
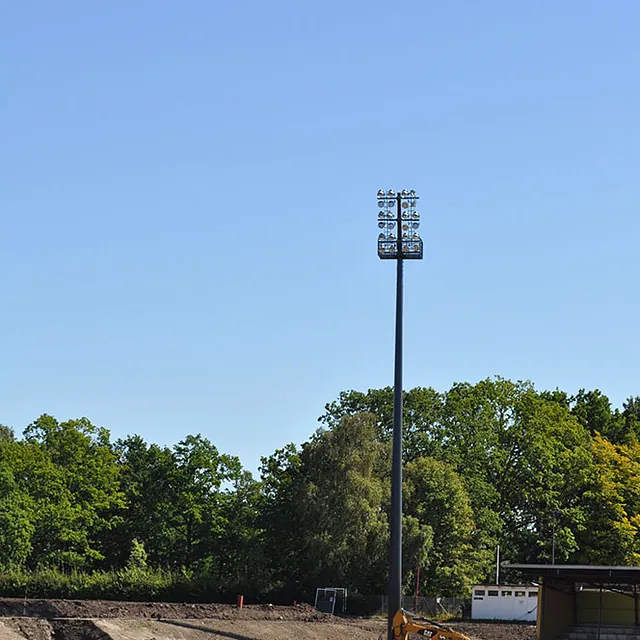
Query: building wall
[504, 602]
[617, 608]
[556, 614]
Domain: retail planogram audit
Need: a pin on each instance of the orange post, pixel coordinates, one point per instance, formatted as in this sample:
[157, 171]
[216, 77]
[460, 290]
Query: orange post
[240, 601]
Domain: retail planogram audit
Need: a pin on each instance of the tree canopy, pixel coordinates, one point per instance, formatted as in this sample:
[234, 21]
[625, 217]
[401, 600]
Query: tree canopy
[496, 462]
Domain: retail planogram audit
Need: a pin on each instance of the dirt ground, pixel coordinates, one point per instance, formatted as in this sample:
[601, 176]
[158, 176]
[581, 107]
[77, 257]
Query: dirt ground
[106, 620]
[496, 631]
[111, 609]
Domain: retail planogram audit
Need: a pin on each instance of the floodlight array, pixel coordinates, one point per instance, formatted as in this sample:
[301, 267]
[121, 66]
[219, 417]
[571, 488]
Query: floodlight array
[398, 221]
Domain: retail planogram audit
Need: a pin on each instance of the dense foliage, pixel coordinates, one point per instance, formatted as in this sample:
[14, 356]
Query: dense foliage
[492, 463]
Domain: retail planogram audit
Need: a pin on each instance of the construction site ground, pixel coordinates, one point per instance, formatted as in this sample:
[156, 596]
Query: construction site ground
[106, 620]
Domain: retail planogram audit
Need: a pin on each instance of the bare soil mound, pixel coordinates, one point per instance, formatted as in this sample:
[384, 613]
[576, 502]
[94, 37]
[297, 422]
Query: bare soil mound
[111, 609]
[474, 630]
[103, 620]
[496, 631]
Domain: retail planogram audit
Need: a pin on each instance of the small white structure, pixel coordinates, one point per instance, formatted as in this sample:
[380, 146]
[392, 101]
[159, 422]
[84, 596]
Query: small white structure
[504, 602]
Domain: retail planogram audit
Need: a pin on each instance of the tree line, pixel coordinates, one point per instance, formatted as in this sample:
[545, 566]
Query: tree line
[496, 462]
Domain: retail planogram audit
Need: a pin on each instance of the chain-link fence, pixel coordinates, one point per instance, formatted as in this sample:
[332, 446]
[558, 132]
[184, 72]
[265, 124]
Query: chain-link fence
[432, 607]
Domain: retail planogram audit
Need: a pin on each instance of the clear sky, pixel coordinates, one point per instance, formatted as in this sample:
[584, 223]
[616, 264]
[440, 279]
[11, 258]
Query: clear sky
[188, 211]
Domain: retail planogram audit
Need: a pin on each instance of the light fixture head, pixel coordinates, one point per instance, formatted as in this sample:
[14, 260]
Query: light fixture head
[398, 222]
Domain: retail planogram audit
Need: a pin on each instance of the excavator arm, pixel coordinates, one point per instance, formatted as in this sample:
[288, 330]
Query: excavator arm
[405, 623]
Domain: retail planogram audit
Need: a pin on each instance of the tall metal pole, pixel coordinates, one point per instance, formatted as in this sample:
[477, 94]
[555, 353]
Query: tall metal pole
[415, 604]
[407, 244]
[395, 576]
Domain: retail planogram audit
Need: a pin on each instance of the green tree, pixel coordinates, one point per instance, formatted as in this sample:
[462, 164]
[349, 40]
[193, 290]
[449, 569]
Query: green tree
[281, 521]
[191, 506]
[70, 471]
[631, 418]
[137, 557]
[238, 557]
[422, 417]
[200, 472]
[17, 512]
[344, 505]
[551, 464]
[632, 407]
[612, 504]
[436, 497]
[150, 511]
[593, 410]
[561, 397]
[522, 457]
[325, 508]
[6, 433]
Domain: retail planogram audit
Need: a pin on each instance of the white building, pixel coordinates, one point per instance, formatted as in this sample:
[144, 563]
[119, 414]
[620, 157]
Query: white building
[504, 602]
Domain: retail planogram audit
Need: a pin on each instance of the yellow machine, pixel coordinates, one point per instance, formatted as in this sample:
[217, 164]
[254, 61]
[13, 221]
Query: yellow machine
[405, 623]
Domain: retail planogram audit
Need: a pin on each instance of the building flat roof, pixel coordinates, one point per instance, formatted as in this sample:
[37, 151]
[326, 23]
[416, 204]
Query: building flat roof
[580, 572]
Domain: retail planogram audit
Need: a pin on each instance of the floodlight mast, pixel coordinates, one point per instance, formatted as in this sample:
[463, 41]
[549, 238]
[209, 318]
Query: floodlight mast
[398, 240]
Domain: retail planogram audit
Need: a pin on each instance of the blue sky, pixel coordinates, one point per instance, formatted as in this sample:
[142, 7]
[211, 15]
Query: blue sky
[189, 216]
